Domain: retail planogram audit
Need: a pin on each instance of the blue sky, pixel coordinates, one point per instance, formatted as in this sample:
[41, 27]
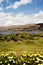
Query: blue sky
[21, 12]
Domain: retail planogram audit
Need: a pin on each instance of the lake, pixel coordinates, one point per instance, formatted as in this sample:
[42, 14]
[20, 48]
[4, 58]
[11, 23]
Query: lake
[14, 32]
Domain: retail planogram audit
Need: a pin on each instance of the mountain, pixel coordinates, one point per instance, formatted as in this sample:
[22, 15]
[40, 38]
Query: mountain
[40, 26]
[27, 27]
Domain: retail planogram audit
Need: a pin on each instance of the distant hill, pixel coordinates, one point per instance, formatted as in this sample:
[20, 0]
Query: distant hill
[27, 27]
[40, 26]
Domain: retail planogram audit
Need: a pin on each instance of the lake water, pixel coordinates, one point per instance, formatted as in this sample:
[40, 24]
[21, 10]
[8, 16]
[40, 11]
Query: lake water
[14, 32]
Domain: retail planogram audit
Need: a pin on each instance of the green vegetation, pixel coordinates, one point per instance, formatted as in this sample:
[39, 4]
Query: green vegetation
[32, 58]
[20, 42]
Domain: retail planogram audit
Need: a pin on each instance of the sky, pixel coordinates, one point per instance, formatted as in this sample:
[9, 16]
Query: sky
[20, 12]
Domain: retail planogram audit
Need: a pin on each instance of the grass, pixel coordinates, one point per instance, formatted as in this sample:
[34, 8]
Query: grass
[19, 46]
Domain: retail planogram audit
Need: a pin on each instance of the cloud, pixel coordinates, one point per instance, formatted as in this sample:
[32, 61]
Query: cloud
[1, 8]
[20, 19]
[1, 1]
[19, 3]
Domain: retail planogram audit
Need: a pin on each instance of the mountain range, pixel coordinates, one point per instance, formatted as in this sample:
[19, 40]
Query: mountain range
[27, 27]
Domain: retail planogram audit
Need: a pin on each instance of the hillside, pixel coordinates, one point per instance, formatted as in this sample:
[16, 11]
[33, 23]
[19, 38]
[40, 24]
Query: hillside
[40, 26]
[27, 27]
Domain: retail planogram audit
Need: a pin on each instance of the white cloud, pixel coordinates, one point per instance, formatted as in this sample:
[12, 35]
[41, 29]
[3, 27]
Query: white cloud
[18, 3]
[1, 1]
[19, 19]
[1, 8]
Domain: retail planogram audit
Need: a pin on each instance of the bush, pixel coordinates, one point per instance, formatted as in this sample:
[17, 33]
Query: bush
[14, 38]
[20, 36]
[2, 38]
[24, 59]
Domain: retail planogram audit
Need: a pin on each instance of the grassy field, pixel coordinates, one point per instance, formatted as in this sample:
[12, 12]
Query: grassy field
[23, 42]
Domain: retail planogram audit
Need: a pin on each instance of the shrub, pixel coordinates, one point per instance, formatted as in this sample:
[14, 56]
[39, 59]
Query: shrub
[14, 38]
[24, 59]
[2, 38]
[20, 36]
